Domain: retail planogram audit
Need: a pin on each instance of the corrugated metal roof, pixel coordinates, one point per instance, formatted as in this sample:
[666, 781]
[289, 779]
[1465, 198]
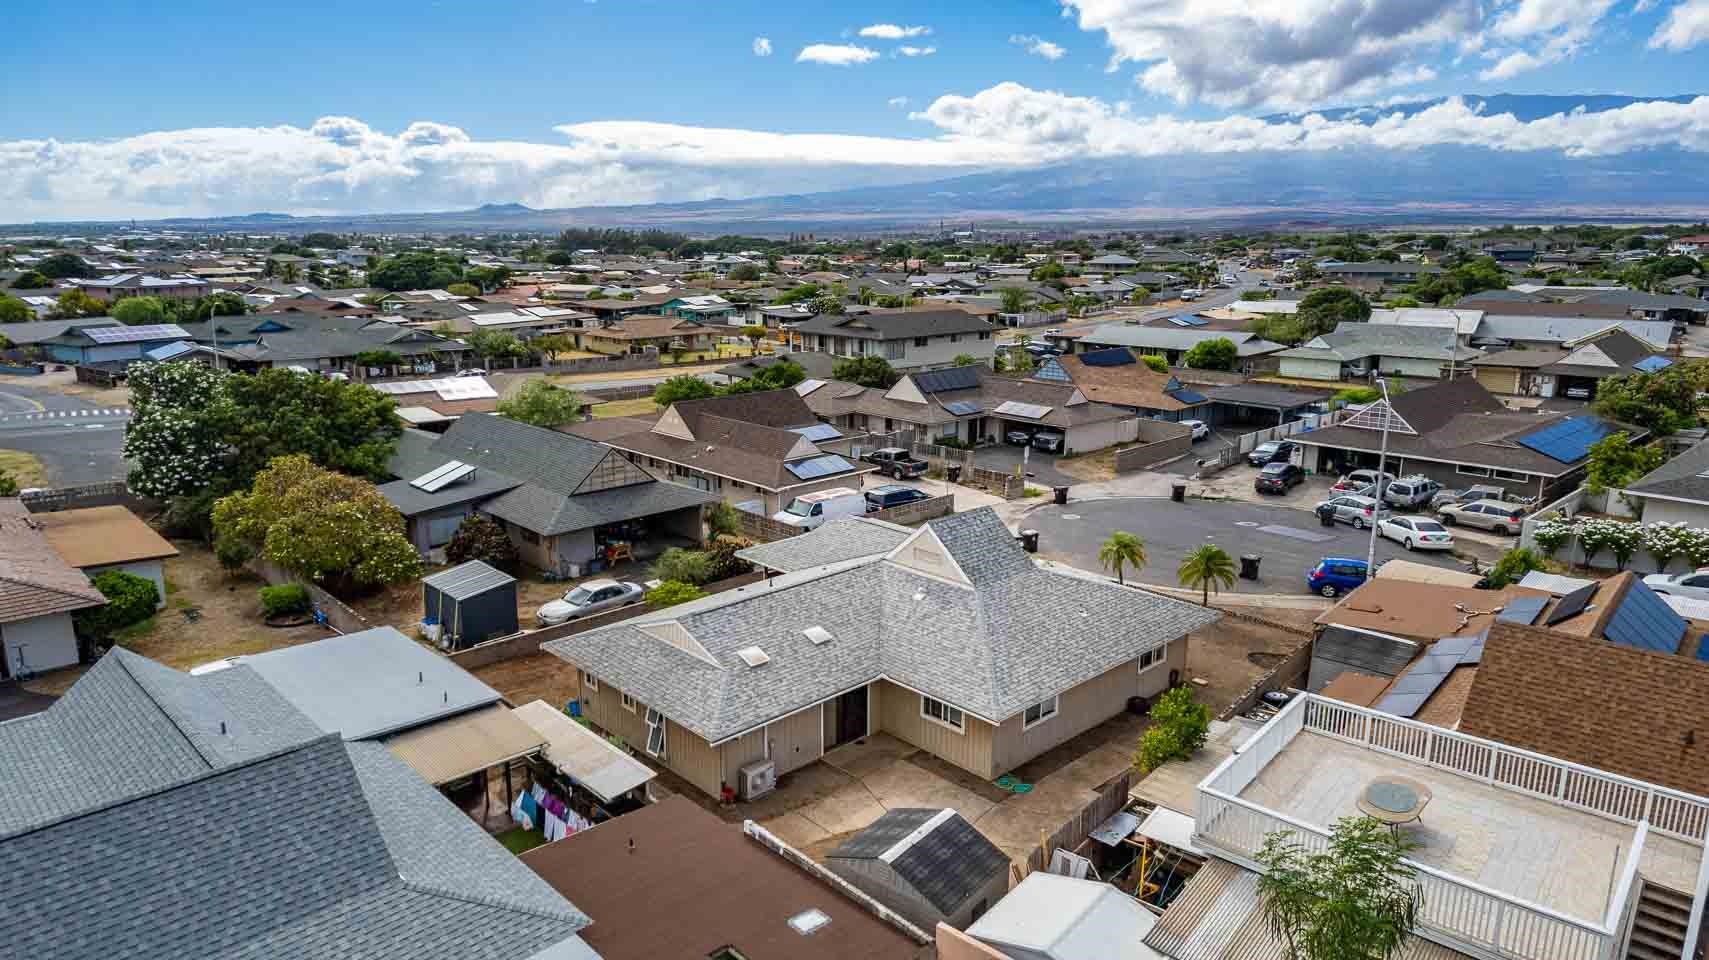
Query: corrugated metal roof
[585, 756]
[469, 579]
[465, 744]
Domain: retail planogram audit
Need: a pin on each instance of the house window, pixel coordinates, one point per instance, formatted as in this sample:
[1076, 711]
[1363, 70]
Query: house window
[955, 338]
[921, 341]
[528, 536]
[1152, 658]
[590, 683]
[1471, 471]
[655, 734]
[950, 429]
[1040, 712]
[943, 714]
[984, 334]
[895, 350]
[628, 703]
[1510, 475]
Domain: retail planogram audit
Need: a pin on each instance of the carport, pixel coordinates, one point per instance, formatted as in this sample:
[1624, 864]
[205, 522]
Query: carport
[1261, 405]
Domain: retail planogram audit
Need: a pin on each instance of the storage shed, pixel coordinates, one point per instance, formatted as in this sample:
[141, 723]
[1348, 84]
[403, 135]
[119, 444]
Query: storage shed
[928, 865]
[471, 603]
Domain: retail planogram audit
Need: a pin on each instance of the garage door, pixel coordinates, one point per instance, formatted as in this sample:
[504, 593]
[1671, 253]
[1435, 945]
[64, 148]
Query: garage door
[440, 529]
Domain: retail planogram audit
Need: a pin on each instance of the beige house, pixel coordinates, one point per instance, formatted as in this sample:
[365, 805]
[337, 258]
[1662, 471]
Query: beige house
[954, 641]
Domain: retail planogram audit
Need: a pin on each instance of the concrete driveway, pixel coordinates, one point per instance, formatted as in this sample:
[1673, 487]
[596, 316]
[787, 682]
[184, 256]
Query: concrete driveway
[1040, 468]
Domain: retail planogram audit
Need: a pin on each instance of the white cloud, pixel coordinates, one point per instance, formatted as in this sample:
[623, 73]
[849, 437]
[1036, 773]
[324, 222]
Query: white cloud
[897, 101]
[1510, 65]
[1544, 32]
[908, 51]
[341, 164]
[1685, 26]
[836, 54]
[1038, 46]
[891, 31]
[762, 46]
[1240, 54]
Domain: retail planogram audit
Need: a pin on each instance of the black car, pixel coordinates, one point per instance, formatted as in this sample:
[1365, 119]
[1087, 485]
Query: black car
[1278, 477]
[1271, 451]
[892, 495]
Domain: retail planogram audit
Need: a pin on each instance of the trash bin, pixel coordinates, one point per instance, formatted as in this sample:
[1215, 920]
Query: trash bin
[954, 473]
[1326, 515]
[1178, 491]
[1061, 495]
[1029, 541]
[1249, 566]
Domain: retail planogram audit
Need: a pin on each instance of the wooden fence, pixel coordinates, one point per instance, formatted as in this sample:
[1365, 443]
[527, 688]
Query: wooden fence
[1111, 799]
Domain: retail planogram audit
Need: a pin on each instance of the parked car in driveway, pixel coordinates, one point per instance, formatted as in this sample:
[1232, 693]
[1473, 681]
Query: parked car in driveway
[1334, 576]
[896, 463]
[1499, 518]
[591, 597]
[1271, 451]
[892, 495]
[1360, 511]
[1200, 429]
[1361, 482]
[1694, 584]
[1019, 438]
[1471, 494]
[1047, 441]
[810, 510]
[1416, 533]
[1278, 478]
[1411, 493]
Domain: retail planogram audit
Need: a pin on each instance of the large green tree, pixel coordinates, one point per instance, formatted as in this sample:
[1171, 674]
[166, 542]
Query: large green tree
[76, 303]
[13, 310]
[139, 311]
[683, 386]
[32, 280]
[1216, 354]
[1662, 402]
[1322, 310]
[868, 371]
[543, 404]
[1356, 899]
[785, 373]
[415, 271]
[63, 265]
[1615, 461]
[326, 527]
[176, 439]
[339, 424]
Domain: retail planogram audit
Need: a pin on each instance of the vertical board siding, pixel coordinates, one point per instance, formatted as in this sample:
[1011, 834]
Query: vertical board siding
[899, 715]
[795, 740]
[1079, 709]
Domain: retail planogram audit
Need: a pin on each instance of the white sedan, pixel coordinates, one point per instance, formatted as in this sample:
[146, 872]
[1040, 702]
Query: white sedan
[1694, 584]
[1201, 429]
[592, 597]
[1416, 533]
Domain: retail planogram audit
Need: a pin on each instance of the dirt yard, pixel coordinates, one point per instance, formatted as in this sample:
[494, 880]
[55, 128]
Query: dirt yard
[538, 677]
[1232, 654]
[65, 382]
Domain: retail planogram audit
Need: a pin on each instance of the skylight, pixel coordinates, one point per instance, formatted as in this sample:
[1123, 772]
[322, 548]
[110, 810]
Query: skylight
[818, 634]
[753, 656]
[808, 921]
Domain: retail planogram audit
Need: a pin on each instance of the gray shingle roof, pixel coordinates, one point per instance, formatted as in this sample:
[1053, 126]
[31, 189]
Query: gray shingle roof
[1169, 338]
[548, 514]
[1499, 326]
[897, 324]
[1682, 478]
[411, 500]
[946, 866]
[1356, 341]
[838, 541]
[1019, 634]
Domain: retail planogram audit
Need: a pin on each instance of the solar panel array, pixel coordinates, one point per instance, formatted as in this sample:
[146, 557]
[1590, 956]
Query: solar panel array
[1186, 395]
[1571, 604]
[1652, 364]
[1112, 357]
[962, 408]
[1029, 411]
[1409, 693]
[818, 432]
[808, 386]
[1568, 441]
[441, 477]
[818, 467]
[1469, 650]
[148, 331]
[1643, 620]
[954, 378]
[1189, 320]
[1523, 610]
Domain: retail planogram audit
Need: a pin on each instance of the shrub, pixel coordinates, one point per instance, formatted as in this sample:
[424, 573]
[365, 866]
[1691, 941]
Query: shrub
[686, 566]
[672, 592]
[130, 599]
[722, 553]
[284, 600]
[1155, 362]
[1664, 541]
[1552, 534]
[722, 520]
[232, 553]
[484, 539]
[1178, 728]
[1513, 566]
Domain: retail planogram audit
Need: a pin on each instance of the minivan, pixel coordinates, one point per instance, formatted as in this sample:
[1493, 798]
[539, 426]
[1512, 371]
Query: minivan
[810, 510]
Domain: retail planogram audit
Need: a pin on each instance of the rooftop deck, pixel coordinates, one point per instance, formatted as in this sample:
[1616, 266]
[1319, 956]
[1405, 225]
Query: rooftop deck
[1518, 855]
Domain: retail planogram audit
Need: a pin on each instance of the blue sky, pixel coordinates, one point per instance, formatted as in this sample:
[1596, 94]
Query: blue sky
[199, 107]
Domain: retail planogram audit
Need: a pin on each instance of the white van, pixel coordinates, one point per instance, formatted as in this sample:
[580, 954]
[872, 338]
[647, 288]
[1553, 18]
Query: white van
[810, 510]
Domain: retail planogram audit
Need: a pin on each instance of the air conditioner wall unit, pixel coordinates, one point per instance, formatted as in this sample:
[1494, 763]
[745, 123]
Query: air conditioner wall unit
[757, 779]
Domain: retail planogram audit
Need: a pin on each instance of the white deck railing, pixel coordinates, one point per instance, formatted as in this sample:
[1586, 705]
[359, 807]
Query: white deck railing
[1454, 911]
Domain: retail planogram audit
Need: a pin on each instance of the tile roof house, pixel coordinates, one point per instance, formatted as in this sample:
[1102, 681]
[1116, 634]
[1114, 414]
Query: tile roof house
[1119, 377]
[556, 493]
[925, 337]
[224, 823]
[721, 888]
[1456, 433]
[744, 447]
[955, 641]
[1678, 490]
[39, 591]
[929, 865]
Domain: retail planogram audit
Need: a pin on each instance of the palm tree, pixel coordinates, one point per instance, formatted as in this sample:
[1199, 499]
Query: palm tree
[1206, 567]
[1015, 300]
[1121, 550]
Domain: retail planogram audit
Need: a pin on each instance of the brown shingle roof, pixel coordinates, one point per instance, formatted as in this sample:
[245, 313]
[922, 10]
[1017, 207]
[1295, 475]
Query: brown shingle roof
[1421, 611]
[99, 536]
[1617, 708]
[671, 880]
[646, 326]
[34, 580]
[1129, 385]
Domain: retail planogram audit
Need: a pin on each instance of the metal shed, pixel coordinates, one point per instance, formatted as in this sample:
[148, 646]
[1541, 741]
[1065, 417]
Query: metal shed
[471, 602]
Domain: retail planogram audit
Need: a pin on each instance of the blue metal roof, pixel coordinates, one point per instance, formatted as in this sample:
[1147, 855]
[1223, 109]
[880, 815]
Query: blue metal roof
[1568, 441]
[1652, 364]
[1645, 621]
[962, 408]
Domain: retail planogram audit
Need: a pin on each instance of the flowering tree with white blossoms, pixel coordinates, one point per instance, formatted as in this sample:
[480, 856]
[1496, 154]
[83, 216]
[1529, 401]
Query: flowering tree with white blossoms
[175, 445]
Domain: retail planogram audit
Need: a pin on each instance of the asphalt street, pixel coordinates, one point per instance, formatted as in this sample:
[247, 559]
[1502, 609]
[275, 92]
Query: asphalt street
[77, 441]
[1290, 542]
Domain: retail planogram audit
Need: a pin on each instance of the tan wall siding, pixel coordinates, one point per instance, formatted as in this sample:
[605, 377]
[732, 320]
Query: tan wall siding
[685, 753]
[1082, 708]
[899, 715]
[1497, 379]
[693, 758]
[740, 752]
[795, 740]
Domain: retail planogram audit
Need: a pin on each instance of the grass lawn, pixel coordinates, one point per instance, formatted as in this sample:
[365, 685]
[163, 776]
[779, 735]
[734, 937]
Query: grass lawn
[518, 840]
[640, 406]
[26, 468]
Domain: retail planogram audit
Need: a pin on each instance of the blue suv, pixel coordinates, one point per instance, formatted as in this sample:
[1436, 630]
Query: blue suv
[1334, 576]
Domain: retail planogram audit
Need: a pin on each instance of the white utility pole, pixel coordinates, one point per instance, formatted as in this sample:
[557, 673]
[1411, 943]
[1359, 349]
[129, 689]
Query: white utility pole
[1377, 489]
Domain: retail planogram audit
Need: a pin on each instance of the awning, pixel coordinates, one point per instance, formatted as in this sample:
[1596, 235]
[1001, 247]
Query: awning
[582, 755]
[465, 744]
